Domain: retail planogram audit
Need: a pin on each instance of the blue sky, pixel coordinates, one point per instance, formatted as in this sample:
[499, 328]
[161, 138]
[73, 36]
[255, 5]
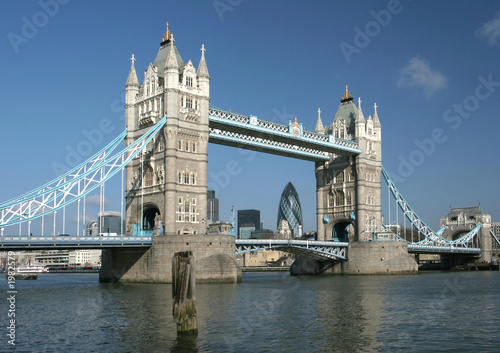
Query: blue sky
[431, 67]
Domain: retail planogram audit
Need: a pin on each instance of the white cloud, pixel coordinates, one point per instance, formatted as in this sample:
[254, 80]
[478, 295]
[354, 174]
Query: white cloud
[95, 200]
[88, 218]
[418, 73]
[490, 31]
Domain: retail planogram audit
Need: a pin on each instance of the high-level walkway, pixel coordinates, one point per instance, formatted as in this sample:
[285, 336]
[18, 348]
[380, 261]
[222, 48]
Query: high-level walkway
[250, 132]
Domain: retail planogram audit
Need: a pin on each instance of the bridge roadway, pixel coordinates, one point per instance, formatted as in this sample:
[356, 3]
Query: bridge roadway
[320, 250]
[72, 242]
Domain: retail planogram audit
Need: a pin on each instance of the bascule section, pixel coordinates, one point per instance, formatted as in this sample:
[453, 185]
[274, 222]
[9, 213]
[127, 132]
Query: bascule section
[348, 187]
[166, 184]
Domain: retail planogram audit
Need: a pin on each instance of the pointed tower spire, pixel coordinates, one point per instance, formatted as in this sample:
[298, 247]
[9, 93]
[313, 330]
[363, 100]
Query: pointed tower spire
[360, 116]
[202, 67]
[132, 75]
[347, 97]
[359, 123]
[171, 62]
[319, 124]
[131, 91]
[376, 121]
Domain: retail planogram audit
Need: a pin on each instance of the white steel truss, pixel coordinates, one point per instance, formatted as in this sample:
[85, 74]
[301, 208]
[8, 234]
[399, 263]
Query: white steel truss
[76, 183]
[319, 250]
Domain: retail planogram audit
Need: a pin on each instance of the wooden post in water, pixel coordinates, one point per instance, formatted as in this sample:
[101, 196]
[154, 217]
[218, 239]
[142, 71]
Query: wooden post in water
[183, 292]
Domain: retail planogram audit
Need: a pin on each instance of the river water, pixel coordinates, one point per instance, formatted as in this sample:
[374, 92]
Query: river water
[267, 312]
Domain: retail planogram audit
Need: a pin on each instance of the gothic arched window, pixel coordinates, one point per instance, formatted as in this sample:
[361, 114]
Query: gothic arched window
[148, 177]
[161, 145]
[339, 198]
[340, 177]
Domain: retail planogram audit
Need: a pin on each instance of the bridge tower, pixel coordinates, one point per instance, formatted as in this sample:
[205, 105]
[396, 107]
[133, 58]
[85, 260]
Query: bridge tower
[348, 198]
[166, 186]
[462, 220]
[348, 188]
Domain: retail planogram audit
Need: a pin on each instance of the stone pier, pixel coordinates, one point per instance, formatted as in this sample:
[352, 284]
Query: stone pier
[214, 254]
[364, 258]
[379, 258]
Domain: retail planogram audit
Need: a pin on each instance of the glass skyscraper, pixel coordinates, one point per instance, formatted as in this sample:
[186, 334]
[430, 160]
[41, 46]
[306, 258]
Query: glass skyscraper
[248, 219]
[212, 207]
[290, 210]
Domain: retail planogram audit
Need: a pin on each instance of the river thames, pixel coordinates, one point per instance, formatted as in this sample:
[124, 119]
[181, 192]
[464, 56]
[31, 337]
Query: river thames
[267, 312]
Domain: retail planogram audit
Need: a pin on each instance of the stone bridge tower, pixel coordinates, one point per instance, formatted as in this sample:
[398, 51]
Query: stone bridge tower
[166, 186]
[348, 188]
[462, 220]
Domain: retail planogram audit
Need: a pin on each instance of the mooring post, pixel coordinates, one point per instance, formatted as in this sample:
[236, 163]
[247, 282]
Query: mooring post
[183, 292]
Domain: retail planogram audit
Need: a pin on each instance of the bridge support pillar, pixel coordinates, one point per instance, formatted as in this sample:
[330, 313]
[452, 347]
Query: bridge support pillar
[215, 260]
[365, 258]
[379, 258]
[486, 243]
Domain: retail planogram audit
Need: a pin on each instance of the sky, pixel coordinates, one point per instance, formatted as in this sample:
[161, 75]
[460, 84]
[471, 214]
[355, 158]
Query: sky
[431, 68]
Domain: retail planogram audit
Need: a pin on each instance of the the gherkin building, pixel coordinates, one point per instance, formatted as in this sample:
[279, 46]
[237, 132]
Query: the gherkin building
[289, 209]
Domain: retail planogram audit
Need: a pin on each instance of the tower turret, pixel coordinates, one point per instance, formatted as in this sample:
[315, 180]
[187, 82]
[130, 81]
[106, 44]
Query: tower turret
[376, 123]
[171, 68]
[360, 126]
[131, 91]
[319, 124]
[202, 74]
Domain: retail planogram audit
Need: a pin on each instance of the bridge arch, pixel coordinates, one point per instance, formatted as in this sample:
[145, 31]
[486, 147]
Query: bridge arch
[457, 233]
[186, 230]
[149, 216]
[341, 228]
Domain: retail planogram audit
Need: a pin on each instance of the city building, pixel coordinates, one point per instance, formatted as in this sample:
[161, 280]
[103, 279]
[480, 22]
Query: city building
[65, 258]
[262, 234]
[55, 258]
[85, 258]
[220, 228]
[246, 232]
[212, 207]
[110, 222]
[495, 227]
[290, 210]
[248, 219]
[283, 231]
[92, 228]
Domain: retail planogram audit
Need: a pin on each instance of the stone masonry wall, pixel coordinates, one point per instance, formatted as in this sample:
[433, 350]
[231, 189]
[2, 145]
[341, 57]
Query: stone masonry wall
[378, 257]
[214, 254]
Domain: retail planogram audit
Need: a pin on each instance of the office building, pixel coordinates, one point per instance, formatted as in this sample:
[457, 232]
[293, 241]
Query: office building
[290, 210]
[110, 222]
[248, 219]
[212, 207]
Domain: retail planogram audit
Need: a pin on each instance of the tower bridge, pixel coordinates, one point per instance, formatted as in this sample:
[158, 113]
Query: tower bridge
[168, 125]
